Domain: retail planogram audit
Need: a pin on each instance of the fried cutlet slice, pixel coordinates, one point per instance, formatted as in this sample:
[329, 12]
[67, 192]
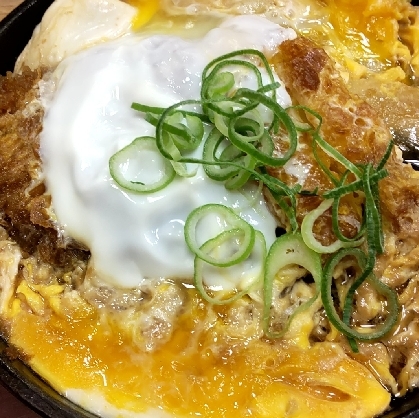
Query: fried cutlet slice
[352, 127]
[25, 210]
[357, 131]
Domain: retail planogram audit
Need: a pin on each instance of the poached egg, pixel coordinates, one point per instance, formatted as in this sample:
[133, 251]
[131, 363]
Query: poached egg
[132, 236]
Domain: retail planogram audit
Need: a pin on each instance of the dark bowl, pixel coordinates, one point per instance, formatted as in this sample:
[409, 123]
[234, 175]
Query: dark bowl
[15, 31]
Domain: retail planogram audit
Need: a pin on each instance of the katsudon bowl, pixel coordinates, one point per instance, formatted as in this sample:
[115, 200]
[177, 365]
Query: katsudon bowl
[32, 387]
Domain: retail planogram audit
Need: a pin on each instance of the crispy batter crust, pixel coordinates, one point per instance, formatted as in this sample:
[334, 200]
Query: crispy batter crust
[351, 126]
[354, 128]
[24, 204]
[349, 123]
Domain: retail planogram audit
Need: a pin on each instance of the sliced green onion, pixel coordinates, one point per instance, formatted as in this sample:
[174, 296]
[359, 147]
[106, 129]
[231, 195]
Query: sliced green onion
[220, 84]
[239, 179]
[386, 156]
[328, 303]
[181, 169]
[119, 161]
[269, 87]
[334, 153]
[313, 113]
[258, 253]
[322, 165]
[280, 114]
[223, 61]
[153, 110]
[341, 190]
[284, 195]
[235, 228]
[372, 213]
[249, 115]
[335, 218]
[187, 131]
[209, 154]
[300, 125]
[186, 134]
[239, 148]
[289, 249]
[311, 241]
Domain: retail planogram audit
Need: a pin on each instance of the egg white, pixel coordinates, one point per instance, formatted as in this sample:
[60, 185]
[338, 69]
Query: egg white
[96, 403]
[69, 26]
[131, 236]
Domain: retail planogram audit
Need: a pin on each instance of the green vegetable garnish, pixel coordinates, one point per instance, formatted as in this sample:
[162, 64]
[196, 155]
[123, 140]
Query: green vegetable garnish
[238, 148]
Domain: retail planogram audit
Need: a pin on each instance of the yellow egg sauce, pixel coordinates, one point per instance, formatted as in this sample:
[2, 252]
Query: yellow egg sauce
[355, 32]
[200, 371]
[146, 10]
[368, 28]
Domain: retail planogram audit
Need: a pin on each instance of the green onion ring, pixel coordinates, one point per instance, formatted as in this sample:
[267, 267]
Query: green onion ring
[287, 250]
[199, 263]
[326, 294]
[144, 143]
[311, 241]
[237, 228]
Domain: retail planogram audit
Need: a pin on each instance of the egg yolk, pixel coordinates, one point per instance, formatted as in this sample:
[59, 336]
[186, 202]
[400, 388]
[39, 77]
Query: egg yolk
[146, 10]
[369, 28]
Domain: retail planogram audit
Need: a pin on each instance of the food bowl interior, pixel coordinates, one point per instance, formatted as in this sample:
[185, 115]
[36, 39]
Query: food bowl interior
[15, 31]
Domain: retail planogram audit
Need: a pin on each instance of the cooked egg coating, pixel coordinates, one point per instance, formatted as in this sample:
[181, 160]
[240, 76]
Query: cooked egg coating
[198, 371]
[366, 38]
[70, 26]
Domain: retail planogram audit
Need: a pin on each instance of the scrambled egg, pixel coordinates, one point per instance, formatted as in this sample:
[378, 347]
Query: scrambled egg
[71, 346]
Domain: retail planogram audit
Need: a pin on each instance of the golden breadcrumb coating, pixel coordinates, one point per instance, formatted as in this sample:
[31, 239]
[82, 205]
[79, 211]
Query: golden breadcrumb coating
[24, 206]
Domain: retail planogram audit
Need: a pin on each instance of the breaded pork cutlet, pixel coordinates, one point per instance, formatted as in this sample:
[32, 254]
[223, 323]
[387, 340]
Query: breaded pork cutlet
[354, 128]
[24, 205]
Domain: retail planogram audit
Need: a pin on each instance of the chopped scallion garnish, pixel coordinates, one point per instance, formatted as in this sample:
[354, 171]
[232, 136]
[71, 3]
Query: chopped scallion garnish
[289, 249]
[239, 148]
[119, 162]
